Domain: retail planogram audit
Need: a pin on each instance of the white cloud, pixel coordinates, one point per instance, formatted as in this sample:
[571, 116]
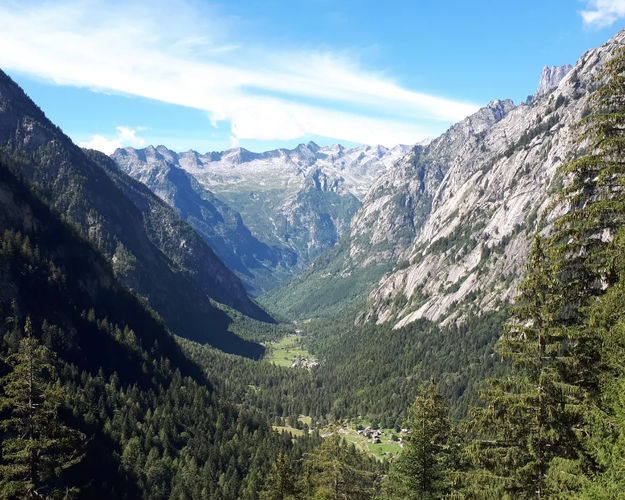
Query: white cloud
[125, 137]
[175, 54]
[603, 13]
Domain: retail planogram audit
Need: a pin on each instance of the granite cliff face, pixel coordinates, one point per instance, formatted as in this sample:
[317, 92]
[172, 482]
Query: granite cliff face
[266, 215]
[400, 201]
[384, 228]
[550, 78]
[447, 230]
[470, 251]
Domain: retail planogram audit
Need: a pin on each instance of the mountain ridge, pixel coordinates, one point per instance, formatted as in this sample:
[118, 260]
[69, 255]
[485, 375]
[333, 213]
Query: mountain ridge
[266, 214]
[470, 252]
[447, 230]
[92, 198]
[550, 78]
[392, 213]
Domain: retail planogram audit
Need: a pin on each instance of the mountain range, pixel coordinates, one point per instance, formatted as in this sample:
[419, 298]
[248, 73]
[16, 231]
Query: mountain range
[266, 215]
[127, 317]
[387, 234]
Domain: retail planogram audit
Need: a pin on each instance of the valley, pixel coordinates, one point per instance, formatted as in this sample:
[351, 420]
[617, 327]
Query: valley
[289, 351]
[436, 320]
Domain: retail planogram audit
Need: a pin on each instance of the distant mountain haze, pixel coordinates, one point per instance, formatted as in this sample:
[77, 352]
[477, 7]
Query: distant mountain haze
[266, 215]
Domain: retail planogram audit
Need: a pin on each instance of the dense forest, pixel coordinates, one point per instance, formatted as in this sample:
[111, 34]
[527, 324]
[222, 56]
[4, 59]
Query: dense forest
[146, 416]
[102, 396]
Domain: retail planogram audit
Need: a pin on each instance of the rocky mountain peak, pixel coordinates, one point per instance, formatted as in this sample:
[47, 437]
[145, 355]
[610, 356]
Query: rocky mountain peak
[450, 143]
[489, 114]
[166, 153]
[500, 108]
[312, 145]
[550, 78]
[240, 155]
[309, 147]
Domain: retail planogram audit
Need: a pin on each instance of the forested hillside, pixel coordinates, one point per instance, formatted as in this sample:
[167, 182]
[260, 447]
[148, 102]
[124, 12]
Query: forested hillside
[549, 422]
[148, 418]
[153, 251]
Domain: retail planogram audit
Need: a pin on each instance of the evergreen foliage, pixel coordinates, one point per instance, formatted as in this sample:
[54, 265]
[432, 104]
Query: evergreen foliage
[367, 371]
[98, 400]
[36, 446]
[531, 414]
[107, 208]
[422, 469]
[280, 482]
[154, 427]
[606, 439]
[337, 471]
[543, 425]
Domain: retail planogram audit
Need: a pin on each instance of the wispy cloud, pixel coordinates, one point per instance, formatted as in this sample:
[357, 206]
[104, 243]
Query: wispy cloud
[172, 53]
[603, 13]
[125, 137]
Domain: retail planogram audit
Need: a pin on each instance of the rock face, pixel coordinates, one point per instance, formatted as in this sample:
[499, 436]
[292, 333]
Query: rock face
[550, 78]
[469, 252]
[267, 215]
[447, 230]
[400, 201]
[392, 214]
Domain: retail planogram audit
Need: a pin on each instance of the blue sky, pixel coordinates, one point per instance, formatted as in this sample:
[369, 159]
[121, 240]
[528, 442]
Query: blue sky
[264, 74]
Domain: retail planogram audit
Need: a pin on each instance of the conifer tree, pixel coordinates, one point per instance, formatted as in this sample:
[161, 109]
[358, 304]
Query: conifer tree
[580, 249]
[336, 471]
[420, 472]
[280, 482]
[532, 433]
[529, 414]
[606, 440]
[36, 447]
[587, 252]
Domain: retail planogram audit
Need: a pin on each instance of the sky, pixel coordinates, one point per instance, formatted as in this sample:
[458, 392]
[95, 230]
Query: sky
[209, 76]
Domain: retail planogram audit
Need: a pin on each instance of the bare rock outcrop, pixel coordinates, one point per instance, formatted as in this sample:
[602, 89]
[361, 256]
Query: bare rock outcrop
[470, 247]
